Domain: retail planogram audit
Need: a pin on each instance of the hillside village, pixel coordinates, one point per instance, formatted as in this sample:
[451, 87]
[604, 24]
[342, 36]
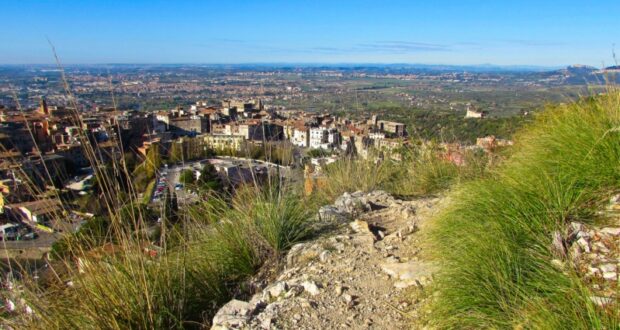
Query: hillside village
[366, 249]
[44, 149]
[46, 164]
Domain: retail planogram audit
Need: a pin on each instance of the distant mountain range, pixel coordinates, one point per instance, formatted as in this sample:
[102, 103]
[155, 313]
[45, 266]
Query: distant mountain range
[584, 73]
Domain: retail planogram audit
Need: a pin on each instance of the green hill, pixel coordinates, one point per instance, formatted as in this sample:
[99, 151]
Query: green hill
[494, 240]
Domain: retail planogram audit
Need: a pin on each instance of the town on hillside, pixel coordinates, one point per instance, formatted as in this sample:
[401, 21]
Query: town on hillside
[52, 155]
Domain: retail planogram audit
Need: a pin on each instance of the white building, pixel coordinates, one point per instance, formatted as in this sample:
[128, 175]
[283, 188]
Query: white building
[318, 138]
[376, 138]
[473, 113]
[300, 137]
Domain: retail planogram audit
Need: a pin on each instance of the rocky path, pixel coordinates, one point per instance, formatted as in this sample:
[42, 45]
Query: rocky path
[361, 274]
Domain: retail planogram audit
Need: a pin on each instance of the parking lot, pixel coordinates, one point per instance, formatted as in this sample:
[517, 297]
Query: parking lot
[169, 177]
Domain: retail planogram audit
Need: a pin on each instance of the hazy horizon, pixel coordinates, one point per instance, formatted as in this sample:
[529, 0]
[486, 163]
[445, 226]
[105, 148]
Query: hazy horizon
[301, 64]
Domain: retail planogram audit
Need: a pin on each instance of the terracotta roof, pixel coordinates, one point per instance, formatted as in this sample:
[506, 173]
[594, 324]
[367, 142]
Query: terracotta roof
[207, 111]
[300, 126]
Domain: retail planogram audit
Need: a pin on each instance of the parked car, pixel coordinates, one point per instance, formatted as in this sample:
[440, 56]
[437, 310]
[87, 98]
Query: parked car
[29, 236]
[9, 232]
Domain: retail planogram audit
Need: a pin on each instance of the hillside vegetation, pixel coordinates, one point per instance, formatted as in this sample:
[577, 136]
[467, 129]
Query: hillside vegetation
[124, 281]
[494, 238]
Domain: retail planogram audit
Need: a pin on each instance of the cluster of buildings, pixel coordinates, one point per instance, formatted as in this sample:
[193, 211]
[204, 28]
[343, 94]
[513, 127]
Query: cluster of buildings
[233, 123]
[44, 150]
[331, 132]
[51, 148]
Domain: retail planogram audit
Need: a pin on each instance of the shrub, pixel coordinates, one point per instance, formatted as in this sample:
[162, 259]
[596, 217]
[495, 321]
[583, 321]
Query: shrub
[112, 274]
[127, 289]
[187, 177]
[494, 238]
[423, 171]
[352, 174]
[124, 281]
[280, 220]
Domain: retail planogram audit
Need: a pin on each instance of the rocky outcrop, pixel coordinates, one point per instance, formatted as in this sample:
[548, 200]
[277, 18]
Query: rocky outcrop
[594, 253]
[352, 276]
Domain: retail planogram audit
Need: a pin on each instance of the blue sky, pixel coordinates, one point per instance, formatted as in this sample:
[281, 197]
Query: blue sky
[547, 33]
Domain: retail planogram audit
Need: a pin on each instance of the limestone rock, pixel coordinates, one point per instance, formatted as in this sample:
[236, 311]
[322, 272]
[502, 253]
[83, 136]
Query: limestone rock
[324, 256]
[360, 227]
[613, 231]
[311, 288]
[594, 254]
[278, 289]
[406, 274]
[235, 314]
[601, 301]
[347, 265]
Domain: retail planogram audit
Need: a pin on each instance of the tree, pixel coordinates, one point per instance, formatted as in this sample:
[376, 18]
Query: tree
[187, 177]
[316, 153]
[170, 206]
[176, 152]
[91, 234]
[152, 161]
[209, 178]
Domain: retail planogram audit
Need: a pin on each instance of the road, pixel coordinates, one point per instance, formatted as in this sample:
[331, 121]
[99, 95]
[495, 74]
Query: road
[44, 240]
[172, 175]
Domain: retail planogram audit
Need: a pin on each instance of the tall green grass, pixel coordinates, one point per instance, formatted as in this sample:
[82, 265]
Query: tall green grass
[353, 174]
[127, 290]
[118, 284]
[118, 273]
[494, 237]
[422, 171]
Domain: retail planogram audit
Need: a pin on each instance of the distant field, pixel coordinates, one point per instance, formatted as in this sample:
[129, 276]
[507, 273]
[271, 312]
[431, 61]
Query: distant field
[431, 103]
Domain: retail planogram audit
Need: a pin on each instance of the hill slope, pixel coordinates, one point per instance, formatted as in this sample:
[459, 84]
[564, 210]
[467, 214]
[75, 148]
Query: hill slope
[502, 241]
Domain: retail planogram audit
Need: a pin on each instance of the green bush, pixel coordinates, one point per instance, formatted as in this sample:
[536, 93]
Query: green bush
[187, 177]
[280, 221]
[422, 171]
[209, 179]
[494, 238]
[126, 282]
[130, 290]
[352, 174]
[93, 233]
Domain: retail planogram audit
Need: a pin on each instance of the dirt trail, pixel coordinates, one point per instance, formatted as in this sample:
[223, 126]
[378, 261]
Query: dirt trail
[358, 275]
